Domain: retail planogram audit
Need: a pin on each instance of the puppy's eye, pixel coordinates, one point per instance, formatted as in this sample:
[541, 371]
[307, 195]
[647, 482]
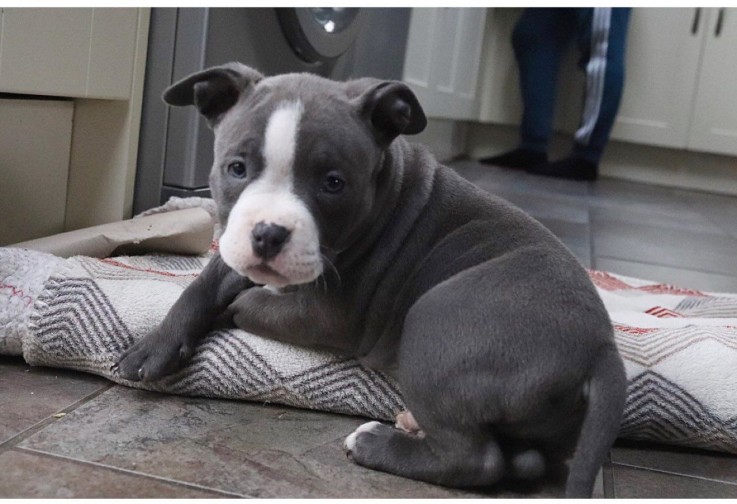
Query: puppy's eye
[237, 169]
[333, 184]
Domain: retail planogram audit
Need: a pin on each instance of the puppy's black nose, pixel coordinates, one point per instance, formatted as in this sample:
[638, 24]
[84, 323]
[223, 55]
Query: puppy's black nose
[267, 240]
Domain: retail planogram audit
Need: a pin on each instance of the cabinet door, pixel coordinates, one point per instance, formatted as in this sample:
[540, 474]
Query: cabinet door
[500, 97]
[714, 123]
[35, 136]
[112, 50]
[45, 51]
[663, 49]
[68, 51]
[442, 60]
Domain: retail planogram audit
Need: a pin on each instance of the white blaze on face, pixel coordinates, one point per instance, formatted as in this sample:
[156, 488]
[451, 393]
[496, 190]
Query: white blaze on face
[271, 199]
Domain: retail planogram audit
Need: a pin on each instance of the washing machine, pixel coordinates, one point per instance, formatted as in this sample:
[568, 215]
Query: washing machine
[175, 146]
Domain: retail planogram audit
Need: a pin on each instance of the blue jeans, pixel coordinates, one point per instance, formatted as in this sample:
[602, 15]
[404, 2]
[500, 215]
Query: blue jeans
[540, 39]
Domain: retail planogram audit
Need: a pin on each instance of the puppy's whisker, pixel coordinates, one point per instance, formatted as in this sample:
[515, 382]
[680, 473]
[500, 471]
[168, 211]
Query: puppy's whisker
[324, 282]
[332, 267]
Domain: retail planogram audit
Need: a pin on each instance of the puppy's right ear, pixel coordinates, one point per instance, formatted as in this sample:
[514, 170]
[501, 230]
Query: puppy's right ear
[214, 90]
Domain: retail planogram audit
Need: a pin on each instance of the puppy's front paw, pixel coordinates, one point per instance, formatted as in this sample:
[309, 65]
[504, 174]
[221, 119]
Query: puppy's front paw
[152, 358]
[247, 307]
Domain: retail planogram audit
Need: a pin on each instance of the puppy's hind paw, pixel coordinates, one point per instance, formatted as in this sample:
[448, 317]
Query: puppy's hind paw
[528, 465]
[350, 442]
[406, 422]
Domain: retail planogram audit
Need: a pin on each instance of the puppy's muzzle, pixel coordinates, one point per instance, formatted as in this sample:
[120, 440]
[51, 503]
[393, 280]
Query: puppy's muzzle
[268, 240]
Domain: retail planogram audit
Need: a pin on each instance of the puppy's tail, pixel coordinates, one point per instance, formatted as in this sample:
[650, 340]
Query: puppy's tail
[607, 392]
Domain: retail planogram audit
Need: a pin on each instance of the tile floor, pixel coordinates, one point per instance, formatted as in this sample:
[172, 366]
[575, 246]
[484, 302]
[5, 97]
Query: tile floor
[67, 434]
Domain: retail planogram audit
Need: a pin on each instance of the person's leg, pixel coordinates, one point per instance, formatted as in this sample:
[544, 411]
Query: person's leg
[602, 39]
[539, 39]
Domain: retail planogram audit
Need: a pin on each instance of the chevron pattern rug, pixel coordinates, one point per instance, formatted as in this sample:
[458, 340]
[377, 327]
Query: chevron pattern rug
[679, 345]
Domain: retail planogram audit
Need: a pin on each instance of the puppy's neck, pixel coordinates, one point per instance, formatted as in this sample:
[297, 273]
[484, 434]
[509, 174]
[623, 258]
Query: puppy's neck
[405, 180]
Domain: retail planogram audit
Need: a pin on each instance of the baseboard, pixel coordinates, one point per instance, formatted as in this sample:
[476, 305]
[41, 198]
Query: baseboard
[445, 138]
[623, 160]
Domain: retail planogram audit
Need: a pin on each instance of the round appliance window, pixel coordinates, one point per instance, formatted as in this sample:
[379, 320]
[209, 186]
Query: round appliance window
[321, 34]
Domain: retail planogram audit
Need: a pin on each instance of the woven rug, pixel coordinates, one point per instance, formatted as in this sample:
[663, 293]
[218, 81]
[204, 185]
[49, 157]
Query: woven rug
[679, 345]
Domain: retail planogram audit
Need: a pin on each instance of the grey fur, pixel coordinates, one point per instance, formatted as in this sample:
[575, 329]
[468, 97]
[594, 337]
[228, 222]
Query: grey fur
[500, 343]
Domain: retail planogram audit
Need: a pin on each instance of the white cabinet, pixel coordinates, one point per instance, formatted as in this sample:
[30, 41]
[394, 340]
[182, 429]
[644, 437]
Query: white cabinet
[681, 89]
[66, 164]
[68, 52]
[714, 121]
[663, 51]
[442, 60]
[35, 140]
[500, 97]
[41, 51]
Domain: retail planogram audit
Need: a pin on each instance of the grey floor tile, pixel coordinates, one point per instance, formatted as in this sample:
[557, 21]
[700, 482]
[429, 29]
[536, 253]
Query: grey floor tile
[714, 282]
[573, 233]
[633, 196]
[475, 171]
[206, 442]
[582, 253]
[549, 207]
[634, 483]
[30, 394]
[29, 475]
[599, 486]
[327, 467]
[575, 236]
[679, 218]
[548, 185]
[487, 176]
[721, 467]
[679, 248]
[607, 483]
[236, 447]
[718, 209]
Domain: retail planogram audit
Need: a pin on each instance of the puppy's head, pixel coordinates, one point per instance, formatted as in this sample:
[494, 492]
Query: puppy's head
[297, 163]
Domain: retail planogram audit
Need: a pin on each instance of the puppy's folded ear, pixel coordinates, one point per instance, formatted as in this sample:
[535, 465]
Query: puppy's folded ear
[391, 108]
[214, 90]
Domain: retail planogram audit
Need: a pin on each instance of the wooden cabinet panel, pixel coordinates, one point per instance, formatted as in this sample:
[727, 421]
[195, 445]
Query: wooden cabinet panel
[72, 52]
[418, 59]
[663, 51]
[57, 174]
[112, 50]
[35, 138]
[45, 51]
[714, 122]
[442, 60]
[501, 102]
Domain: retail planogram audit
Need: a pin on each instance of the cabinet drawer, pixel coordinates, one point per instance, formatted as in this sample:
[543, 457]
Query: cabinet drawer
[35, 138]
[68, 52]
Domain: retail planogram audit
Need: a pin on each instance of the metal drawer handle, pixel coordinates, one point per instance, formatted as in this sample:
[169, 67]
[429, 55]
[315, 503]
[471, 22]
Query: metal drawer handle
[696, 21]
[720, 22]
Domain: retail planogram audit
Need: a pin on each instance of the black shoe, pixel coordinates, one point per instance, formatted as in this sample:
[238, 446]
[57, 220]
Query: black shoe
[517, 158]
[572, 168]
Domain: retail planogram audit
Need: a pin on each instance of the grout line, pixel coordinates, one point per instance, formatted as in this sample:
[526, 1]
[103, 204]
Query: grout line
[608, 477]
[41, 424]
[129, 472]
[671, 473]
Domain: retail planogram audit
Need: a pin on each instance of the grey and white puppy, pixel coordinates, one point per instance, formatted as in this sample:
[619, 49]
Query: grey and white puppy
[500, 344]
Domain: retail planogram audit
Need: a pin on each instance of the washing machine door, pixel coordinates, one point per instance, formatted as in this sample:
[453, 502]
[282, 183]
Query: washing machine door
[319, 35]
